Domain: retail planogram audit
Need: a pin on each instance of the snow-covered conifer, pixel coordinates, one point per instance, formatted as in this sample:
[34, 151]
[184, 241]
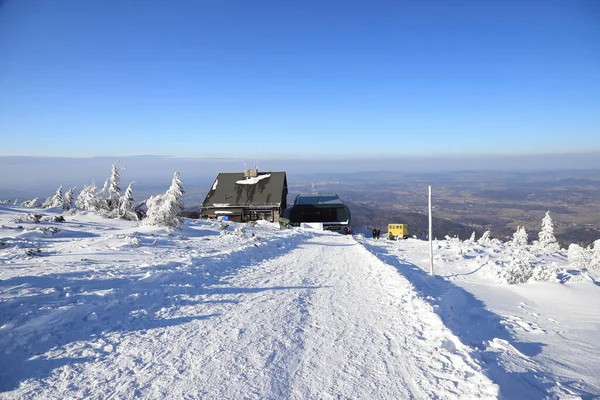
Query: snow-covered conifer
[472, 238]
[578, 256]
[89, 199]
[519, 270]
[165, 209]
[68, 199]
[114, 191]
[56, 200]
[126, 206]
[33, 203]
[485, 238]
[595, 255]
[547, 242]
[520, 237]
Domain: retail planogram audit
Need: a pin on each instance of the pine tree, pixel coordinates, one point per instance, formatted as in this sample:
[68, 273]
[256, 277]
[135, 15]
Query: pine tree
[485, 238]
[472, 239]
[547, 242]
[68, 199]
[33, 203]
[126, 206]
[165, 209]
[595, 255]
[114, 191]
[520, 237]
[88, 198]
[578, 256]
[56, 200]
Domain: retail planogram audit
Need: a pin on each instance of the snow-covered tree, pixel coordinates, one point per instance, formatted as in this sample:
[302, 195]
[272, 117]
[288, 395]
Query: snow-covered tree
[33, 203]
[56, 200]
[519, 269]
[165, 209]
[520, 237]
[595, 255]
[578, 256]
[126, 205]
[547, 242]
[485, 238]
[89, 199]
[472, 238]
[114, 191]
[68, 199]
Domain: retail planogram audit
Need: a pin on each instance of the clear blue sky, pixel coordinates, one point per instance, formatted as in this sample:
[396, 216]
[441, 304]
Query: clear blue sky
[298, 77]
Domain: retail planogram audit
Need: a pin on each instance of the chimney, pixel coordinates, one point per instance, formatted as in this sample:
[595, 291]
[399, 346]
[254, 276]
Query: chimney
[251, 173]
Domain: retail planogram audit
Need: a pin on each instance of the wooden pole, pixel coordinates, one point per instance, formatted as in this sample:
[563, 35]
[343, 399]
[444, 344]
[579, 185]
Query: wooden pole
[430, 237]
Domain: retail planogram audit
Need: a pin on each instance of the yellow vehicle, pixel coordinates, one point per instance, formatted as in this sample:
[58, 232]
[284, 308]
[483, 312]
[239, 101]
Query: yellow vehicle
[397, 231]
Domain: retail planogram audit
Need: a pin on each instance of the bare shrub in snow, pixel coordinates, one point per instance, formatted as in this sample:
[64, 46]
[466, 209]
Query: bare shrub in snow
[56, 200]
[33, 203]
[547, 242]
[165, 209]
[520, 237]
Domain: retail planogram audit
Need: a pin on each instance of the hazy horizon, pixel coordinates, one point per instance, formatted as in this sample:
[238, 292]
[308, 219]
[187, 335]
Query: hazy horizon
[40, 176]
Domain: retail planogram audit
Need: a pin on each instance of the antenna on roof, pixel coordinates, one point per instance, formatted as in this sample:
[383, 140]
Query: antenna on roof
[256, 159]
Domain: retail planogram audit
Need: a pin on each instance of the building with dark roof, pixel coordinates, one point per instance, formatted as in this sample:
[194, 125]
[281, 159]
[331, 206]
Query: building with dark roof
[247, 196]
[326, 209]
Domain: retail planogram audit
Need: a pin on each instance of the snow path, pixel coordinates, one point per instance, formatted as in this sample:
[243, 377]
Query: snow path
[317, 316]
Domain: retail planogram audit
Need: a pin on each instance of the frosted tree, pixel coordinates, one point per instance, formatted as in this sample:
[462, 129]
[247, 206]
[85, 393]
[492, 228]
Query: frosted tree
[520, 237]
[485, 238]
[88, 199]
[68, 199]
[33, 203]
[472, 238]
[165, 209]
[578, 256]
[126, 205]
[547, 242]
[595, 255]
[113, 190]
[56, 200]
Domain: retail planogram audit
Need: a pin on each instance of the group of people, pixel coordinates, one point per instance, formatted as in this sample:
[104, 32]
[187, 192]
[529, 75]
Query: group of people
[376, 233]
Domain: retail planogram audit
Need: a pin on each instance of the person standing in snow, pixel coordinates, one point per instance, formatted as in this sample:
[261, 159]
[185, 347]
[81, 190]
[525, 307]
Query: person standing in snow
[374, 233]
[378, 233]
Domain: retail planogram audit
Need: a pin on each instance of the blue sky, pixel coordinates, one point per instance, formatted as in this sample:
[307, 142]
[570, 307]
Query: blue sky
[306, 78]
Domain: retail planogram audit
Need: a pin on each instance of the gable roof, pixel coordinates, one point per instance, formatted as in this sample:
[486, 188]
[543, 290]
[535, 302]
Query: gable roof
[231, 189]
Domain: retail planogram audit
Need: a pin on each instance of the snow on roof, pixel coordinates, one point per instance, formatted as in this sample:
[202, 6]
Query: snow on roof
[215, 184]
[223, 212]
[252, 181]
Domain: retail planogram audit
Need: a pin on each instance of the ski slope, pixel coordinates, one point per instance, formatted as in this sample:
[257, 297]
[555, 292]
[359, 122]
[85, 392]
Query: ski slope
[97, 308]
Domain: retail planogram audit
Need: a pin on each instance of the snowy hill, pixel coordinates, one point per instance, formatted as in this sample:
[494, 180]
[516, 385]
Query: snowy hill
[102, 308]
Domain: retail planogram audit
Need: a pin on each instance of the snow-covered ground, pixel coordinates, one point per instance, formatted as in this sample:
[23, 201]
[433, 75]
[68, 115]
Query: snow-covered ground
[100, 308]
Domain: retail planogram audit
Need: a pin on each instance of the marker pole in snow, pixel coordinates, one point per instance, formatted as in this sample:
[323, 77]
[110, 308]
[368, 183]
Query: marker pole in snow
[430, 237]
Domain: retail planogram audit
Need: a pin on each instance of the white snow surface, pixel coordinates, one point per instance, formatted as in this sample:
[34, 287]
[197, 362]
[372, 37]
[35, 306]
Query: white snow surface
[254, 180]
[101, 308]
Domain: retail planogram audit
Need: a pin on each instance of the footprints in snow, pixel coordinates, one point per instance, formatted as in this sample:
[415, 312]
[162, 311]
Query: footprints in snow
[518, 324]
